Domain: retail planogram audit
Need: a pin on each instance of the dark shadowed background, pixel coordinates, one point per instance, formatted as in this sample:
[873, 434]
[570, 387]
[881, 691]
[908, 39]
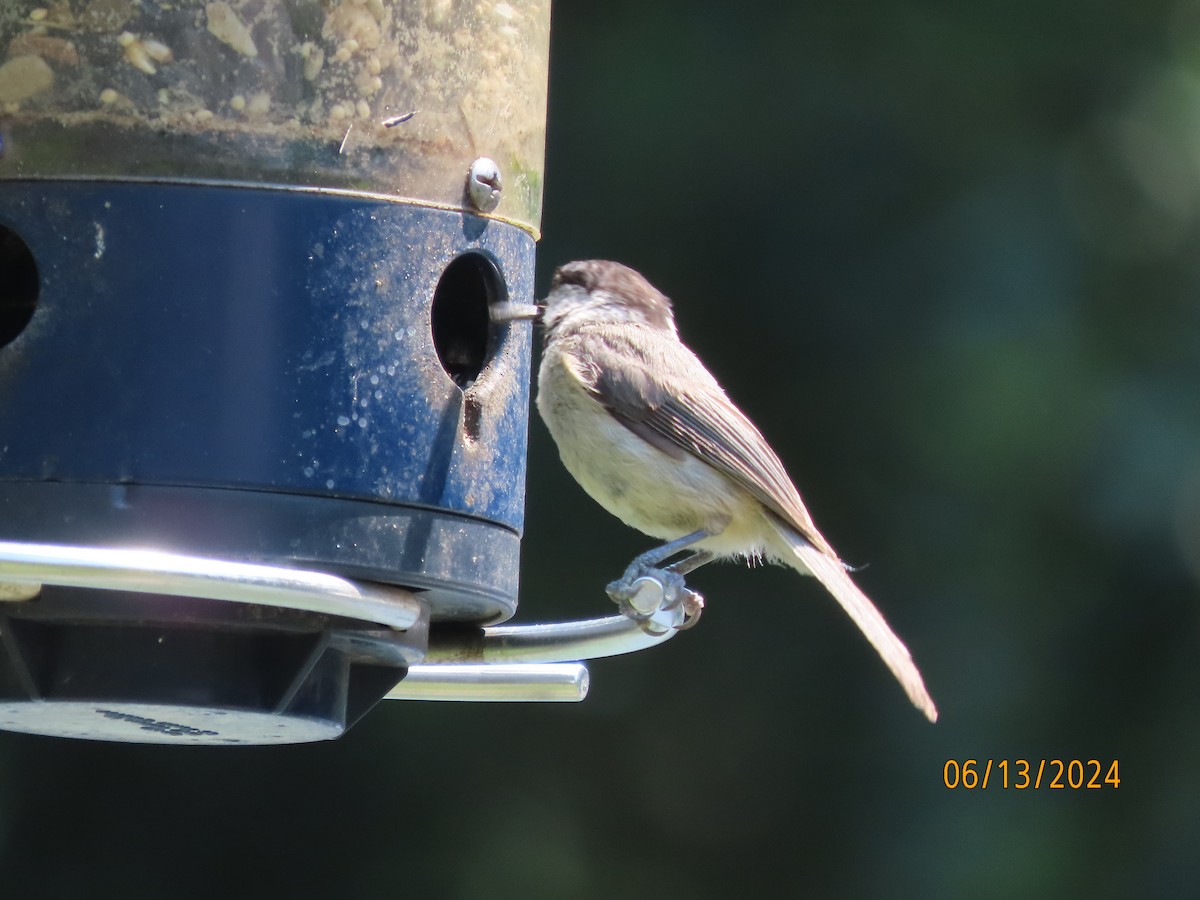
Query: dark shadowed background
[945, 255]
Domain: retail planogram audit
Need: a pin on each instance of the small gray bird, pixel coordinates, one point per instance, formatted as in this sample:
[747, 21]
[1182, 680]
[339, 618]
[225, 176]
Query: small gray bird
[650, 435]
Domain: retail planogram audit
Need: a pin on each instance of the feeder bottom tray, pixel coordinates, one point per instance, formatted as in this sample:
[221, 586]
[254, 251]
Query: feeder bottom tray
[111, 665]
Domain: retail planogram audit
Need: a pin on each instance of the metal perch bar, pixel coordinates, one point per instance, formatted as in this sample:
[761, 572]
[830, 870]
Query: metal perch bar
[502, 663]
[549, 643]
[520, 662]
[153, 572]
[539, 683]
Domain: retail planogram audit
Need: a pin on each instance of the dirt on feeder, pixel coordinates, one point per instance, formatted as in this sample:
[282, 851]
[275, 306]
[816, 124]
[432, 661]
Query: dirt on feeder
[374, 95]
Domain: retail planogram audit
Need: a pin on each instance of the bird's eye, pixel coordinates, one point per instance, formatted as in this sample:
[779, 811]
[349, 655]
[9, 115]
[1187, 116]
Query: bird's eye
[570, 274]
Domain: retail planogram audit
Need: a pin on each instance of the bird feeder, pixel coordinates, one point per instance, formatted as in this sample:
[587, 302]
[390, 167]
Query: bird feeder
[262, 447]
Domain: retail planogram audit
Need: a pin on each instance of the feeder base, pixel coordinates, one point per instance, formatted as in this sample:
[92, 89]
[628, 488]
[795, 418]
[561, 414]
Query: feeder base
[153, 723]
[147, 668]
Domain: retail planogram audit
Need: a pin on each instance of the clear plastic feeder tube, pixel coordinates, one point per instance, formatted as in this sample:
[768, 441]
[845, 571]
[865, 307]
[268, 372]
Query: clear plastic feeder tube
[392, 97]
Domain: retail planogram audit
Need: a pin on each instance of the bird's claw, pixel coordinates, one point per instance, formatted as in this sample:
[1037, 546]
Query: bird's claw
[657, 599]
[692, 604]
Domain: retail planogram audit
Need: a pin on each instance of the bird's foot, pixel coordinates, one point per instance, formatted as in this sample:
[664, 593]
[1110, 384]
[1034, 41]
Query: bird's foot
[658, 599]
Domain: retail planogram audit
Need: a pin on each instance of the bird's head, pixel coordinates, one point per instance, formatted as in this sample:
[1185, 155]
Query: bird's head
[597, 291]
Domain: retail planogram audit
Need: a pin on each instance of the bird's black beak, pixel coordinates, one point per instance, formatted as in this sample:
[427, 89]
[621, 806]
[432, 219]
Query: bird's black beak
[513, 312]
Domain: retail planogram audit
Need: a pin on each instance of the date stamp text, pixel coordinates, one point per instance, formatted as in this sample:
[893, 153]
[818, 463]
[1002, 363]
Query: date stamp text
[1032, 774]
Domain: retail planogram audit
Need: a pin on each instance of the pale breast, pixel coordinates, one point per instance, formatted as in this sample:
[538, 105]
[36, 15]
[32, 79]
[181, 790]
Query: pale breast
[642, 486]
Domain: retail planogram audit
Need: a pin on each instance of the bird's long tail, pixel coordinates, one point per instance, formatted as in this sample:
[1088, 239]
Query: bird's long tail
[806, 558]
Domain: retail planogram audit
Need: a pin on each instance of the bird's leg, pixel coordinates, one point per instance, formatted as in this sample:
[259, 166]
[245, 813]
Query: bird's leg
[691, 601]
[656, 596]
[691, 563]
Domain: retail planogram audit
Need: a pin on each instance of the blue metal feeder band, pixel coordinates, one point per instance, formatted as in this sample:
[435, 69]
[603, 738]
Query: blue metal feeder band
[252, 374]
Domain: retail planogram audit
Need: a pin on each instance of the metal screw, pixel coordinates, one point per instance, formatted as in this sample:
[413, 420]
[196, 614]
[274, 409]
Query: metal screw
[483, 184]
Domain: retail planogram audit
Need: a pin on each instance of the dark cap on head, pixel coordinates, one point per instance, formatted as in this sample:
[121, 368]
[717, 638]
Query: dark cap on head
[620, 282]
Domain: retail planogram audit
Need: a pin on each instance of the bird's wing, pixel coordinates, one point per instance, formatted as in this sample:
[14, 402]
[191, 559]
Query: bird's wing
[676, 405]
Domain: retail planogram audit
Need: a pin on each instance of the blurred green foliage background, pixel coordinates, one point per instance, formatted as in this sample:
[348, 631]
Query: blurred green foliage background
[945, 255]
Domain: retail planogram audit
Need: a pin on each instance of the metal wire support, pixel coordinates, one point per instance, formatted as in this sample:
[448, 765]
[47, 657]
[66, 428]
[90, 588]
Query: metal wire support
[503, 663]
[538, 682]
[25, 567]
